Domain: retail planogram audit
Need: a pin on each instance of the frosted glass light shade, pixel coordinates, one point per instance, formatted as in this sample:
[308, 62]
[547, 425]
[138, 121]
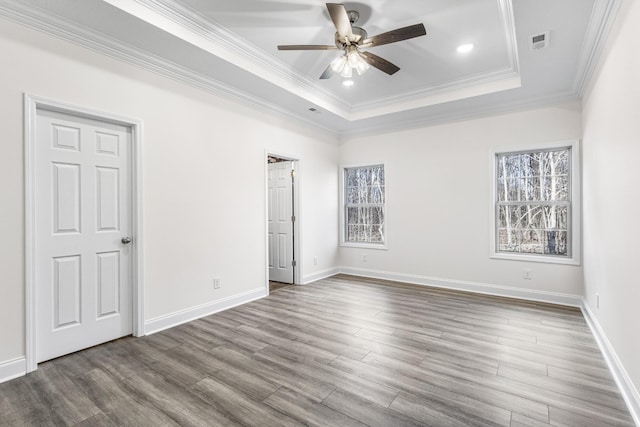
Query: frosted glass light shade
[338, 64]
[345, 64]
[357, 63]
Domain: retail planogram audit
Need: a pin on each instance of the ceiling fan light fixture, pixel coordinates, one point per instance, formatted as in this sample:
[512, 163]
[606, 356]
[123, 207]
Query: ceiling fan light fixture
[347, 83]
[347, 72]
[356, 62]
[339, 64]
[350, 38]
[349, 61]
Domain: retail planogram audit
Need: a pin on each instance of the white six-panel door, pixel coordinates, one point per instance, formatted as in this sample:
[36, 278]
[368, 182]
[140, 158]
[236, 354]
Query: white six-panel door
[280, 233]
[83, 211]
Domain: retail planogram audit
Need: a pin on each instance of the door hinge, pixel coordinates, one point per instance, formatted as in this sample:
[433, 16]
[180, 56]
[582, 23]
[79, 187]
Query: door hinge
[293, 218]
[293, 263]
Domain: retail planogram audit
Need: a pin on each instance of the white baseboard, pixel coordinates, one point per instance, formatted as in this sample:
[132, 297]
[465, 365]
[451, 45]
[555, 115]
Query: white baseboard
[13, 368]
[480, 288]
[167, 321]
[620, 375]
[323, 274]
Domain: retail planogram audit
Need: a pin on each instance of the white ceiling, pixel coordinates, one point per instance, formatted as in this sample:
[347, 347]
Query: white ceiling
[229, 47]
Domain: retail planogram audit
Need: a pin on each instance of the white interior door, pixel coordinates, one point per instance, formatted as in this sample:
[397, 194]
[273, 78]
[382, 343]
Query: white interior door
[280, 222]
[83, 192]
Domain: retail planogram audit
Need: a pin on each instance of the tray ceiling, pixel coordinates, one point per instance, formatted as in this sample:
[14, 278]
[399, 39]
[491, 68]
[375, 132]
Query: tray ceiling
[229, 47]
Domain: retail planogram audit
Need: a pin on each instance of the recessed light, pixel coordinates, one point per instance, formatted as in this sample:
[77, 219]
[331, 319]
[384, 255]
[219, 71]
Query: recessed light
[347, 83]
[465, 48]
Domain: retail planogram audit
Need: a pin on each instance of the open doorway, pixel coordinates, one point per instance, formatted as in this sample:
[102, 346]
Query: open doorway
[282, 220]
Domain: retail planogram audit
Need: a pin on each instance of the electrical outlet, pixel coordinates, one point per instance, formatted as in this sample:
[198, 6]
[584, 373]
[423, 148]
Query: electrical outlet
[597, 300]
[216, 283]
[527, 274]
[315, 260]
[364, 257]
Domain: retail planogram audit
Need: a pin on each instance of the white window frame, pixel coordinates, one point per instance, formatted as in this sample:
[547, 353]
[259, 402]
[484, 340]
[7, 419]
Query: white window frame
[575, 206]
[343, 206]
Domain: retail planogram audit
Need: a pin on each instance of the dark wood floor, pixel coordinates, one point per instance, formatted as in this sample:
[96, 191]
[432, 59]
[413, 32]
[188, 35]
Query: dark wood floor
[340, 352]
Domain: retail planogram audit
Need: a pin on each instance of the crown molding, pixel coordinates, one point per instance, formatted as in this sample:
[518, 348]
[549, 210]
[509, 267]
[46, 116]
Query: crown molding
[207, 28]
[79, 35]
[199, 31]
[481, 84]
[509, 24]
[602, 18]
[461, 114]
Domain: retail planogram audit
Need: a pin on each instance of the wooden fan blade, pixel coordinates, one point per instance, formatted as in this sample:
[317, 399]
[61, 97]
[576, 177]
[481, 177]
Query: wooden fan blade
[380, 63]
[395, 35]
[340, 19]
[328, 72]
[306, 47]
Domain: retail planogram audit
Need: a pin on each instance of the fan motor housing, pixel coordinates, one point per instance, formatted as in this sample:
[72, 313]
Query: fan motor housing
[358, 35]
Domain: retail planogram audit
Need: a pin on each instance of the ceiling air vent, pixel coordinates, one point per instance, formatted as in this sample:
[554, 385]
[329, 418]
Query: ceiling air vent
[539, 41]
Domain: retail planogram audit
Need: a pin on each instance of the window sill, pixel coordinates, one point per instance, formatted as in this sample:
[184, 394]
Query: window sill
[379, 246]
[536, 258]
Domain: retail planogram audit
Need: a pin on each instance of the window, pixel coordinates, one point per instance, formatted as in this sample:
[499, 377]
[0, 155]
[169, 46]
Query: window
[535, 192]
[364, 206]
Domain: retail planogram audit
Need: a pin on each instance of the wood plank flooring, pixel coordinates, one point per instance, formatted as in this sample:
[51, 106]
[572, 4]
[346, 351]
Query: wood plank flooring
[343, 351]
[274, 286]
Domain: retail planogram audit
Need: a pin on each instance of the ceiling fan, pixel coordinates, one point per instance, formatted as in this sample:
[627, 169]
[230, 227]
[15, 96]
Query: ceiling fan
[351, 39]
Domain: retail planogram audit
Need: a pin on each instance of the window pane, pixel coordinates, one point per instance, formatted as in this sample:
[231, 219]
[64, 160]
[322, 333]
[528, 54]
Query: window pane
[555, 242]
[521, 241]
[534, 216]
[377, 175]
[357, 195]
[376, 234]
[555, 217]
[556, 162]
[352, 233]
[519, 217]
[352, 216]
[361, 234]
[530, 241]
[350, 178]
[532, 189]
[507, 241]
[534, 164]
[376, 216]
[376, 194]
[555, 188]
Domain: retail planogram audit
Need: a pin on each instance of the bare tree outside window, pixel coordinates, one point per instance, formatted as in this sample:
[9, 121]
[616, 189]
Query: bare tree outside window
[534, 202]
[364, 195]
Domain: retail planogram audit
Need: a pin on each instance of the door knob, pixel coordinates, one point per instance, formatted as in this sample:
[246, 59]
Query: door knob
[126, 240]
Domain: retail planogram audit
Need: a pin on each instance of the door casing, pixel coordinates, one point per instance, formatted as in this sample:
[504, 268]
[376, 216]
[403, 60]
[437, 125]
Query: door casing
[277, 271]
[31, 105]
[297, 229]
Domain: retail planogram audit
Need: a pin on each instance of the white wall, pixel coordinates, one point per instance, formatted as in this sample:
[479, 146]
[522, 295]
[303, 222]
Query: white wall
[204, 177]
[439, 200]
[611, 154]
